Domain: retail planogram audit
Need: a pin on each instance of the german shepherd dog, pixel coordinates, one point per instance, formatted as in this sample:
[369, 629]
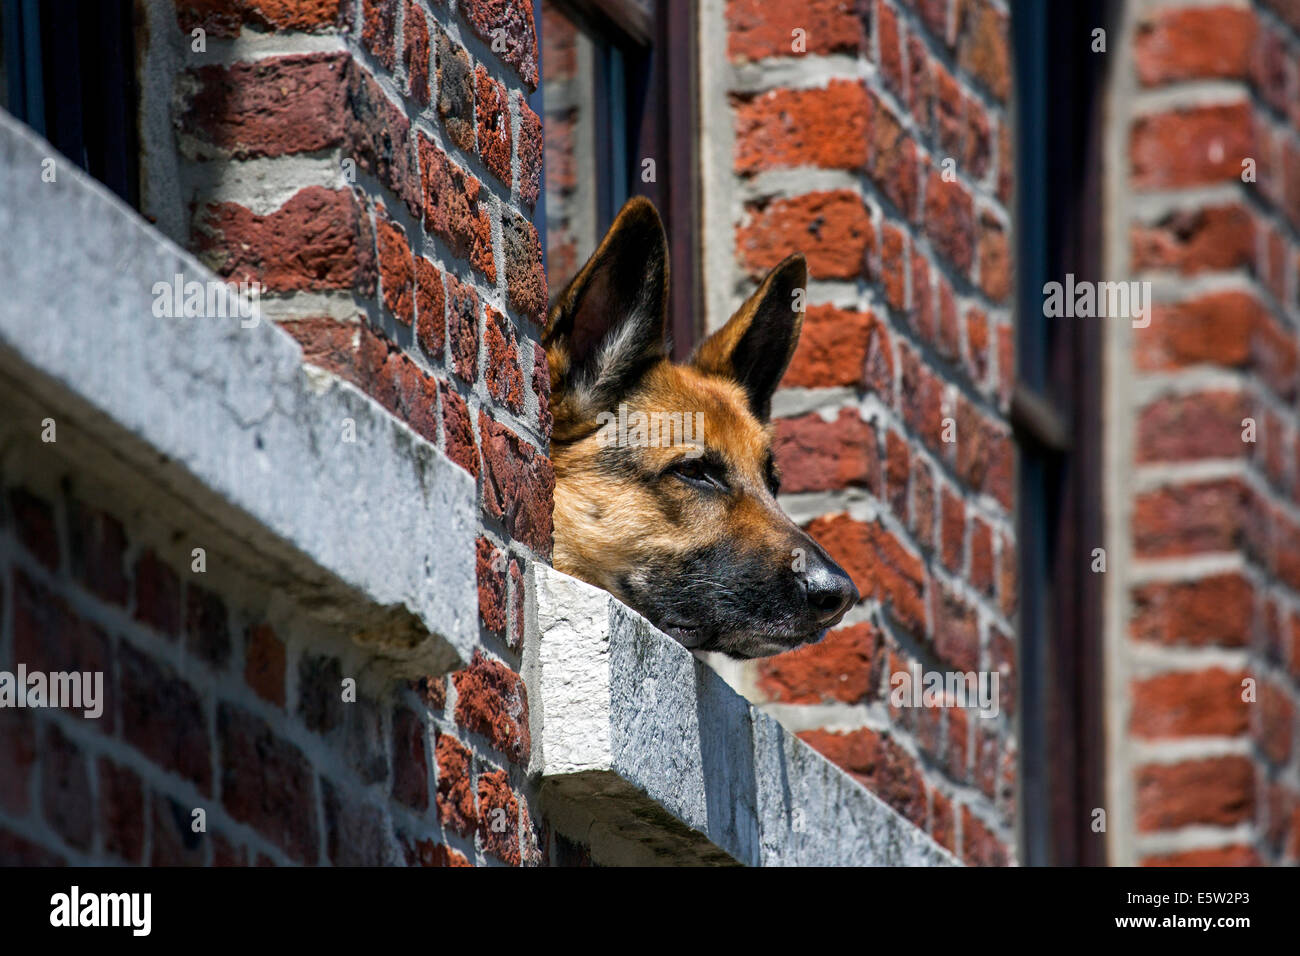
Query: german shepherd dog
[685, 527]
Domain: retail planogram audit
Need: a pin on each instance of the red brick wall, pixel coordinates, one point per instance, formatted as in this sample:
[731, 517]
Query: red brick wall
[1209, 599]
[376, 166]
[839, 151]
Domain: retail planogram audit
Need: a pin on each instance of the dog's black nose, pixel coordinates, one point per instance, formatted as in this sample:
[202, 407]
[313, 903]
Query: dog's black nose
[830, 591]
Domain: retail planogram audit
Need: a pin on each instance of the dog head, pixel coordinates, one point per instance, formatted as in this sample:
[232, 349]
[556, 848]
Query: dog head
[665, 482]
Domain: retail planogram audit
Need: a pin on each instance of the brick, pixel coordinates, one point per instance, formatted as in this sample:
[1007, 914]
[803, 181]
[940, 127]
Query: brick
[455, 801]
[455, 92]
[174, 841]
[379, 30]
[492, 124]
[956, 631]
[267, 783]
[491, 700]
[1189, 704]
[207, 628]
[1213, 239]
[265, 664]
[525, 277]
[1274, 722]
[356, 833]
[757, 30]
[880, 566]
[499, 817]
[1002, 658]
[65, 789]
[121, 811]
[1215, 791]
[410, 759]
[49, 637]
[462, 327]
[981, 555]
[1229, 329]
[458, 430]
[922, 517]
[319, 239]
[34, 523]
[898, 468]
[428, 853]
[816, 455]
[529, 150]
[1210, 856]
[1191, 147]
[832, 229]
[985, 454]
[889, 39]
[157, 595]
[275, 106]
[1188, 519]
[430, 308]
[542, 389]
[942, 827]
[952, 530]
[518, 485]
[512, 22]
[1209, 611]
[984, 46]
[163, 717]
[893, 165]
[226, 18]
[17, 760]
[977, 342]
[396, 270]
[1199, 43]
[98, 553]
[782, 129]
[995, 259]
[1190, 427]
[950, 220]
[379, 138]
[893, 266]
[833, 348]
[845, 666]
[415, 53]
[979, 845]
[452, 210]
[493, 597]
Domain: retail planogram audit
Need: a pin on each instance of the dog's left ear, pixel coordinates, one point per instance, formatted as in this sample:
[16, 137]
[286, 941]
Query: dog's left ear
[754, 348]
[607, 327]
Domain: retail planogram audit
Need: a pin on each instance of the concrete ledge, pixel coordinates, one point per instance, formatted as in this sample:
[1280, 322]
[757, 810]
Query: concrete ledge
[649, 757]
[222, 425]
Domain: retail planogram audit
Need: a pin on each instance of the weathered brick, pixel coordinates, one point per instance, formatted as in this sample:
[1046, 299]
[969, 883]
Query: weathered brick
[452, 210]
[1214, 791]
[518, 485]
[1195, 43]
[164, 718]
[507, 26]
[491, 700]
[267, 783]
[492, 124]
[825, 127]
[1189, 703]
[816, 455]
[831, 228]
[845, 666]
[499, 817]
[396, 270]
[757, 30]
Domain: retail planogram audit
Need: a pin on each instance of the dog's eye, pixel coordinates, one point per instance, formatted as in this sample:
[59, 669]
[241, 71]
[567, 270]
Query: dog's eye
[700, 473]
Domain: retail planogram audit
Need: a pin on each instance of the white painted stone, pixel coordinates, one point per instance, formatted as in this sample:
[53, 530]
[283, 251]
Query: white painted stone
[222, 425]
[647, 755]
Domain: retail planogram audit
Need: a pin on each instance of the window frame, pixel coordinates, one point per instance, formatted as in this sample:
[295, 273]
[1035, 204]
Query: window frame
[656, 78]
[1055, 414]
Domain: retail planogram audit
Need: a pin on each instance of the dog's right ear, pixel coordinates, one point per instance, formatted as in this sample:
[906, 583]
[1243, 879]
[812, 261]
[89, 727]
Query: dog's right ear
[607, 327]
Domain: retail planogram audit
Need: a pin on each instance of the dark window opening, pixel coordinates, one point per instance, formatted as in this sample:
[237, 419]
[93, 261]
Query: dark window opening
[1056, 412]
[69, 74]
[619, 113]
